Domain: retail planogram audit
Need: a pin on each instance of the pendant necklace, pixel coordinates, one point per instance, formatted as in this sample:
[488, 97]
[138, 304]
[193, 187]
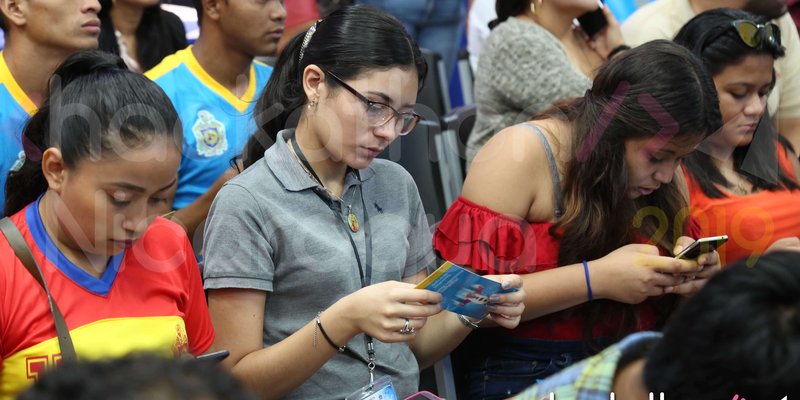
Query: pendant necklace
[741, 189]
[352, 219]
[739, 184]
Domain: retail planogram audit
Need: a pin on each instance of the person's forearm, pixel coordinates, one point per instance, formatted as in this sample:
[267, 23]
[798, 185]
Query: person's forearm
[440, 335]
[276, 371]
[557, 289]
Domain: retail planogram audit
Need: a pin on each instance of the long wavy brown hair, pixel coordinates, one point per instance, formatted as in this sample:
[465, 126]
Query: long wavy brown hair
[657, 90]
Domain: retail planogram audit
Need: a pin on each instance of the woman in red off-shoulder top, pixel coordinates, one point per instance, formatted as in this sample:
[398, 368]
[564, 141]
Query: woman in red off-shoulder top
[582, 202]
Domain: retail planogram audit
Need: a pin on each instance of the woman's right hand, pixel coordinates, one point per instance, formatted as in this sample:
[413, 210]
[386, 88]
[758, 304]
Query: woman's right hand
[609, 37]
[381, 310]
[635, 272]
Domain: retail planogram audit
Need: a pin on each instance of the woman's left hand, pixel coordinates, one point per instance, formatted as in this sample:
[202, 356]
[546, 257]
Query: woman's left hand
[505, 309]
[609, 37]
[708, 264]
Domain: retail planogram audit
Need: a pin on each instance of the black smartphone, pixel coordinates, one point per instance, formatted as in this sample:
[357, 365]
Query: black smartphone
[593, 21]
[216, 356]
[702, 246]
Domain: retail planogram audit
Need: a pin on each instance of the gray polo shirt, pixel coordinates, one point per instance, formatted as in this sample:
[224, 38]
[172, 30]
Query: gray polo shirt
[269, 230]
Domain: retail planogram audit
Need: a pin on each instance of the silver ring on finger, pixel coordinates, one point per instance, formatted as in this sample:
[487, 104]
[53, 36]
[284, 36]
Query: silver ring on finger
[407, 329]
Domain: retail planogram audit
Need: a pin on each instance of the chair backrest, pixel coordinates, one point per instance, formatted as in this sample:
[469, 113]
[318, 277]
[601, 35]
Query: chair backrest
[436, 93]
[466, 77]
[460, 121]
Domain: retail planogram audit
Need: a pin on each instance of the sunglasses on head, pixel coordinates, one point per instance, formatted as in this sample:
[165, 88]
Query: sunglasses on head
[756, 35]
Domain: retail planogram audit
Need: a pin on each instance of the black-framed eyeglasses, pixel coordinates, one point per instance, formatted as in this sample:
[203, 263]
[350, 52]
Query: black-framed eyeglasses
[752, 34]
[378, 114]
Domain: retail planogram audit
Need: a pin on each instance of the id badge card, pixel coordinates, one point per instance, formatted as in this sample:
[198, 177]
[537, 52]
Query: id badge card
[381, 389]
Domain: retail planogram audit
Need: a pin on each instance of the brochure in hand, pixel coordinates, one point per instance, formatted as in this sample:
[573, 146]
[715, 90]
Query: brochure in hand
[463, 292]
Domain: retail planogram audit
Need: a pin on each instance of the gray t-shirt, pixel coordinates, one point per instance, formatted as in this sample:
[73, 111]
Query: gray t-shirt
[522, 70]
[269, 230]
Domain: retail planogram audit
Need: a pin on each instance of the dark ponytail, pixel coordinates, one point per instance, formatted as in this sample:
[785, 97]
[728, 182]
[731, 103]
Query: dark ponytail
[350, 41]
[92, 97]
[278, 103]
[508, 8]
[27, 182]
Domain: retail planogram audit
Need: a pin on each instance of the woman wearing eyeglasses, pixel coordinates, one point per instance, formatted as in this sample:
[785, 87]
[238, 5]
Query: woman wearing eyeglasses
[312, 252]
[743, 180]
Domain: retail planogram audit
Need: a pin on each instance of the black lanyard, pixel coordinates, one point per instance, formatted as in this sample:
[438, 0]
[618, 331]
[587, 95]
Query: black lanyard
[364, 273]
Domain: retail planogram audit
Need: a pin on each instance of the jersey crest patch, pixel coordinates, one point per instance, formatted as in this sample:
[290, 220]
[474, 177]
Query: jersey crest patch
[210, 135]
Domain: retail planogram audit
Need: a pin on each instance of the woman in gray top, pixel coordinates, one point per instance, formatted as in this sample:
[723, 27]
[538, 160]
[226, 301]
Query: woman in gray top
[313, 251]
[533, 58]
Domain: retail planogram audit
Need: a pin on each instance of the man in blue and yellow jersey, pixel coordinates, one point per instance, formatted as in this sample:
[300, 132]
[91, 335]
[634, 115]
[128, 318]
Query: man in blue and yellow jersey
[40, 34]
[214, 85]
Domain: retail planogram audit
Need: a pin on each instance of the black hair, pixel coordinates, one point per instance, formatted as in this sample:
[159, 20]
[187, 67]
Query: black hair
[159, 34]
[656, 87]
[739, 335]
[711, 36]
[349, 42]
[138, 377]
[3, 24]
[656, 90]
[506, 9]
[198, 6]
[93, 103]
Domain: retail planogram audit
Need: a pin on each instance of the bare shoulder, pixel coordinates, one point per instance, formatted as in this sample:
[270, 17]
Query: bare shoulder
[507, 173]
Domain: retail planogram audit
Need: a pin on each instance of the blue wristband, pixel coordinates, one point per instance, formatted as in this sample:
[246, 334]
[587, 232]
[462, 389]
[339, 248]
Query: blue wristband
[588, 281]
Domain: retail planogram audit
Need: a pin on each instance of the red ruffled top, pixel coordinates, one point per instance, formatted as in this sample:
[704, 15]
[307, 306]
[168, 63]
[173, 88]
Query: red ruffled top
[492, 243]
